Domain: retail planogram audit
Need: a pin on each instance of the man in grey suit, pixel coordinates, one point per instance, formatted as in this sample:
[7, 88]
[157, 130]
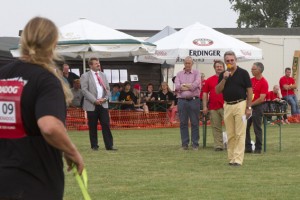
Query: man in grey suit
[95, 89]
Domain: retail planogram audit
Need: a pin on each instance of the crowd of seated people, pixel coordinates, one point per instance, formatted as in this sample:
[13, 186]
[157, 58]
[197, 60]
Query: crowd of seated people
[149, 96]
[141, 104]
[274, 95]
[165, 94]
[127, 97]
[115, 93]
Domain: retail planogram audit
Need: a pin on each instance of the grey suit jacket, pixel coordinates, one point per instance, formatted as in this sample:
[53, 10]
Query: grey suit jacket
[89, 90]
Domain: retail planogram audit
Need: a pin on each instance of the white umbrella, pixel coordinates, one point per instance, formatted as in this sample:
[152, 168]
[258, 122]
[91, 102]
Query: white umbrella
[86, 39]
[203, 44]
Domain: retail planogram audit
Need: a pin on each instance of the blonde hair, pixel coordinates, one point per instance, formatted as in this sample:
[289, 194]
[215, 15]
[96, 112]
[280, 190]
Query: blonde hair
[165, 83]
[38, 43]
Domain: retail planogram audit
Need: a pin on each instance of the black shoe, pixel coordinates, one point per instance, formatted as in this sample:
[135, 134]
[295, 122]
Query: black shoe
[95, 148]
[230, 164]
[248, 151]
[257, 151]
[112, 149]
[218, 149]
[236, 164]
[185, 148]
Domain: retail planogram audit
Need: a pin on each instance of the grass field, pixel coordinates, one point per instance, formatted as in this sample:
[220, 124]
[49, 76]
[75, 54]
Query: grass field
[150, 165]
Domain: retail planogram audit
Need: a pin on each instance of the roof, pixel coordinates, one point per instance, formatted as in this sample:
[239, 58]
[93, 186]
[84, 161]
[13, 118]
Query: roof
[163, 33]
[228, 31]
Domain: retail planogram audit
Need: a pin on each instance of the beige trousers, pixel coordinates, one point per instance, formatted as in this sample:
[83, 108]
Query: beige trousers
[235, 122]
[216, 118]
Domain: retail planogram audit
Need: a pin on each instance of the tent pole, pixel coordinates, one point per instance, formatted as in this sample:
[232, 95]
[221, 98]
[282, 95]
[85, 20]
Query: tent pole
[83, 57]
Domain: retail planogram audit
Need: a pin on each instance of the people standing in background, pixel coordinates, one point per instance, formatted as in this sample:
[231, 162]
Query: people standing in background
[34, 142]
[260, 88]
[187, 86]
[235, 84]
[70, 76]
[173, 108]
[77, 94]
[203, 80]
[96, 92]
[214, 103]
[287, 87]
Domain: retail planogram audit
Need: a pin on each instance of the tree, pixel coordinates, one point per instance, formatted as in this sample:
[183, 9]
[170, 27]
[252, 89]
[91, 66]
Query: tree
[295, 13]
[267, 13]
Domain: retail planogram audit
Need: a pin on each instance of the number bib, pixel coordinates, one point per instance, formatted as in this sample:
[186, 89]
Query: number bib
[11, 124]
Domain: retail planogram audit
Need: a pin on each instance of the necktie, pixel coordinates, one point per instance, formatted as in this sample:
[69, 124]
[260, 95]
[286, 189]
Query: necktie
[100, 81]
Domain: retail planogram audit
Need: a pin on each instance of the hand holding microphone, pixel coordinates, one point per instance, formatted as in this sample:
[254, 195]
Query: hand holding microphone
[227, 72]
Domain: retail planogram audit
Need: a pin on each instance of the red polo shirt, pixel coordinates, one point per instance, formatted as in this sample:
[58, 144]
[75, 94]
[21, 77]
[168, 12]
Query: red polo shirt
[271, 96]
[202, 85]
[216, 101]
[260, 86]
[289, 81]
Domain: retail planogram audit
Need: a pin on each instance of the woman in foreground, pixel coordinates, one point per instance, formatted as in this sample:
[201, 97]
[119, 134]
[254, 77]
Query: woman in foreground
[33, 136]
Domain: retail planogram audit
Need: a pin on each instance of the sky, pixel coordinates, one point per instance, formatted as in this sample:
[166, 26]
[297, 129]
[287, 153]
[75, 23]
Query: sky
[119, 14]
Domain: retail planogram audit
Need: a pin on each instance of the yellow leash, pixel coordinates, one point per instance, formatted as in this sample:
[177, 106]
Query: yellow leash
[82, 182]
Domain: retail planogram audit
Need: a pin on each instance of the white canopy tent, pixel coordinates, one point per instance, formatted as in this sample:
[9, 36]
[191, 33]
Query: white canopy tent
[158, 36]
[84, 38]
[202, 43]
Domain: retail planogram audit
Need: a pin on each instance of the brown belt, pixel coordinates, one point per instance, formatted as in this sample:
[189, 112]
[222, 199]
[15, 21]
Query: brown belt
[234, 102]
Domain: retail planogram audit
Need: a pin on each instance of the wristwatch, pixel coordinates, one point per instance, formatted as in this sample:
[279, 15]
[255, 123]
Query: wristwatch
[250, 108]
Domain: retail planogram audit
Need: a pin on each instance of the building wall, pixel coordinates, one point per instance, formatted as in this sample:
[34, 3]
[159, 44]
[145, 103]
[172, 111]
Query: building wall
[147, 72]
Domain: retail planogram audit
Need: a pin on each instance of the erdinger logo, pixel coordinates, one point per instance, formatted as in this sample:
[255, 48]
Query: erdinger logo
[9, 89]
[203, 42]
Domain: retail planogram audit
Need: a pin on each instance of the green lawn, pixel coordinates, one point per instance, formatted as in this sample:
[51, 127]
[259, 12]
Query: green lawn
[150, 165]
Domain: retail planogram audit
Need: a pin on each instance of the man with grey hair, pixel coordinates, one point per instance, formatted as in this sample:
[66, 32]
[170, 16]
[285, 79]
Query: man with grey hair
[187, 86]
[260, 90]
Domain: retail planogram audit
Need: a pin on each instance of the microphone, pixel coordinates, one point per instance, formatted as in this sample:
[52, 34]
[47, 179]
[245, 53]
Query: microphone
[229, 66]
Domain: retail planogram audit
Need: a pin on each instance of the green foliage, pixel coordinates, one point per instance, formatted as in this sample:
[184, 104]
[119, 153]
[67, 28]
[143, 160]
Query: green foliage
[295, 13]
[150, 165]
[267, 13]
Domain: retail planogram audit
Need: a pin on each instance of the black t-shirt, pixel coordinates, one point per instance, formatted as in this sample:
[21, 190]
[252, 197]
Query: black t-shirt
[71, 77]
[236, 86]
[127, 96]
[42, 95]
[151, 95]
[168, 96]
[36, 165]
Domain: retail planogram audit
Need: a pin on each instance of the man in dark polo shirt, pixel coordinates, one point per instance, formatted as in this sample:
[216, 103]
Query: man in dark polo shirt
[260, 89]
[236, 87]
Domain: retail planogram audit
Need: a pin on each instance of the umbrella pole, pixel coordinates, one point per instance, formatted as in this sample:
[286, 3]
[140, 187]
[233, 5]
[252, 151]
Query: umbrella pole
[83, 57]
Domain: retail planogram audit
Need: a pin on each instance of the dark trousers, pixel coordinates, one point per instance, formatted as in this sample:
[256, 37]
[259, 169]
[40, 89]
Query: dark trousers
[256, 120]
[102, 115]
[189, 110]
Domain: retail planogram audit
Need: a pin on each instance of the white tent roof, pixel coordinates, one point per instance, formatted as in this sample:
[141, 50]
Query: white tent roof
[202, 43]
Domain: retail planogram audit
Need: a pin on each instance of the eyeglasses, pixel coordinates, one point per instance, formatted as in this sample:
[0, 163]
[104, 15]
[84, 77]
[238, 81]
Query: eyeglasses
[232, 60]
